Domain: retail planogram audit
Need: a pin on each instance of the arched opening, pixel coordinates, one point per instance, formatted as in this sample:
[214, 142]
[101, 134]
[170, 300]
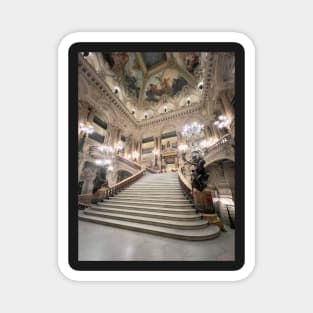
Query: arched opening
[122, 174]
[222, 182]
[168, 149]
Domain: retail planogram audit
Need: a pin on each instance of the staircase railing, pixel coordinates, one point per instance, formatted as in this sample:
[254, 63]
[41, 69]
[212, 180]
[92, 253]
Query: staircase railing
[185, 184]
[85, 200]
[153, 171]
[130, 163]
[222, 145]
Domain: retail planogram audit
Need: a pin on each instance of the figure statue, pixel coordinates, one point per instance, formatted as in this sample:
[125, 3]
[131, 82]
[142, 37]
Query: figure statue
[100, 180]
[199, 177]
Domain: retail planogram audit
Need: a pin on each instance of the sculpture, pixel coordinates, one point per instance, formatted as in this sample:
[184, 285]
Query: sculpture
[100, 180]
[199, 177]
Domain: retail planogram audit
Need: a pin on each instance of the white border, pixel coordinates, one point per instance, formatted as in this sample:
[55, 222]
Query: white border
[63, 156]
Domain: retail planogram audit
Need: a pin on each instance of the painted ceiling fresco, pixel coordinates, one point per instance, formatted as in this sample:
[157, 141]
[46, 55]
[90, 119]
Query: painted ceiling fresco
[127, 70]
[146, 77]
[168, 82]
[152, 59]
[190, 61]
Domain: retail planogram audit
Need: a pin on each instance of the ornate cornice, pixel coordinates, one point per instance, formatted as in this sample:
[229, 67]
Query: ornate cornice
[170, 116]
[97, 82]
[105, 93]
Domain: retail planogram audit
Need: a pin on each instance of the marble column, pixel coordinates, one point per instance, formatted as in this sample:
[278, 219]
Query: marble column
[156, 147]
[83, 154]
[206, 133]
[227, 105]
[215, 130]
[140, 149]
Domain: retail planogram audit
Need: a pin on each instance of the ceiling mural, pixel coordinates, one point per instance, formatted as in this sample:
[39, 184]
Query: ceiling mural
[128, 72]
[152, 83]
[168, 82]
[153, 59]
[189, 61]
[192, 61]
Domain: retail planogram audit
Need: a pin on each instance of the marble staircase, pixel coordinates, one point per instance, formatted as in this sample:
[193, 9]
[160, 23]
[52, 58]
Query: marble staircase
[155, 204]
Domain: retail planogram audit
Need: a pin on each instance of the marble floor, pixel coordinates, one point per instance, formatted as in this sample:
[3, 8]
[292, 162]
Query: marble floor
[104, 243]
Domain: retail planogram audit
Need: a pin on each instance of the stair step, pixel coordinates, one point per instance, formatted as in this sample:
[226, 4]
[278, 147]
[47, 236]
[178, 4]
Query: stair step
[155, 190]
[151, 221]
[160, 180]
[156, 185]
[154, 204]
[150, 199]
[206, 233]
[175, 217]
[145, 208]
[150, 192]
[177, 186]
[147, 196]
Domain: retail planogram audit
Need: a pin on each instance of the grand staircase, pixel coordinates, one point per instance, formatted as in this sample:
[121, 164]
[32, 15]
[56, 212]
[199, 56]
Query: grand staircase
[155, 204]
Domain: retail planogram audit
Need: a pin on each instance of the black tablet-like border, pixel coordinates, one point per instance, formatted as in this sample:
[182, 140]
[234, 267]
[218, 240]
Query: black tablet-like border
[239, 158]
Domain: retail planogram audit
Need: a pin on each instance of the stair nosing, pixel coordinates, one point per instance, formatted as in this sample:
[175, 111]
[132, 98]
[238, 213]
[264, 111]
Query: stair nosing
[162, 215]
[152, 209]
[170, 205]
[185, 234]
[151, 221]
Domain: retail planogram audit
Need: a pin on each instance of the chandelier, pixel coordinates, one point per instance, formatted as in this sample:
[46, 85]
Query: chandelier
[103, 162]
[119, 146]
[192, 129]
[222, 122]
[183, 147]
[105, 149]
[86, 127]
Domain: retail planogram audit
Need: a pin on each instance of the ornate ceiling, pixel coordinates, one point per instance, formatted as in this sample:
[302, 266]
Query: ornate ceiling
[152, 83]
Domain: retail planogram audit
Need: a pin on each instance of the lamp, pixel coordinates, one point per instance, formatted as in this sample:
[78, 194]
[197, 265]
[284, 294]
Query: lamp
[103, 162]
[192, 129]
[135, 155]
[105, 149]
[183, 147]
[222, 122]
[119, 146]
[86, 127]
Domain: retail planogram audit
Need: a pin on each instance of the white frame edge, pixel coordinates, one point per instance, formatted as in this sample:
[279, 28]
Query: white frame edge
[64, 46]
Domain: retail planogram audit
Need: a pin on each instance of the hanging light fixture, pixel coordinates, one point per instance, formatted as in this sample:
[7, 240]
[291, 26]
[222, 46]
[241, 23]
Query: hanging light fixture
[119, 146]
[86, 127]
[183, 147]
[222, 122]
[192, 129]
[103, 162]
[105, 149]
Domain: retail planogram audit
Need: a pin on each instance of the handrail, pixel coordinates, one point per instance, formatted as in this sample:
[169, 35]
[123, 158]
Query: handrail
[106, 193]
[223, 144]
[225, 139]
[125, 182]
[129, 162]
[151, 170]
[185, 184]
